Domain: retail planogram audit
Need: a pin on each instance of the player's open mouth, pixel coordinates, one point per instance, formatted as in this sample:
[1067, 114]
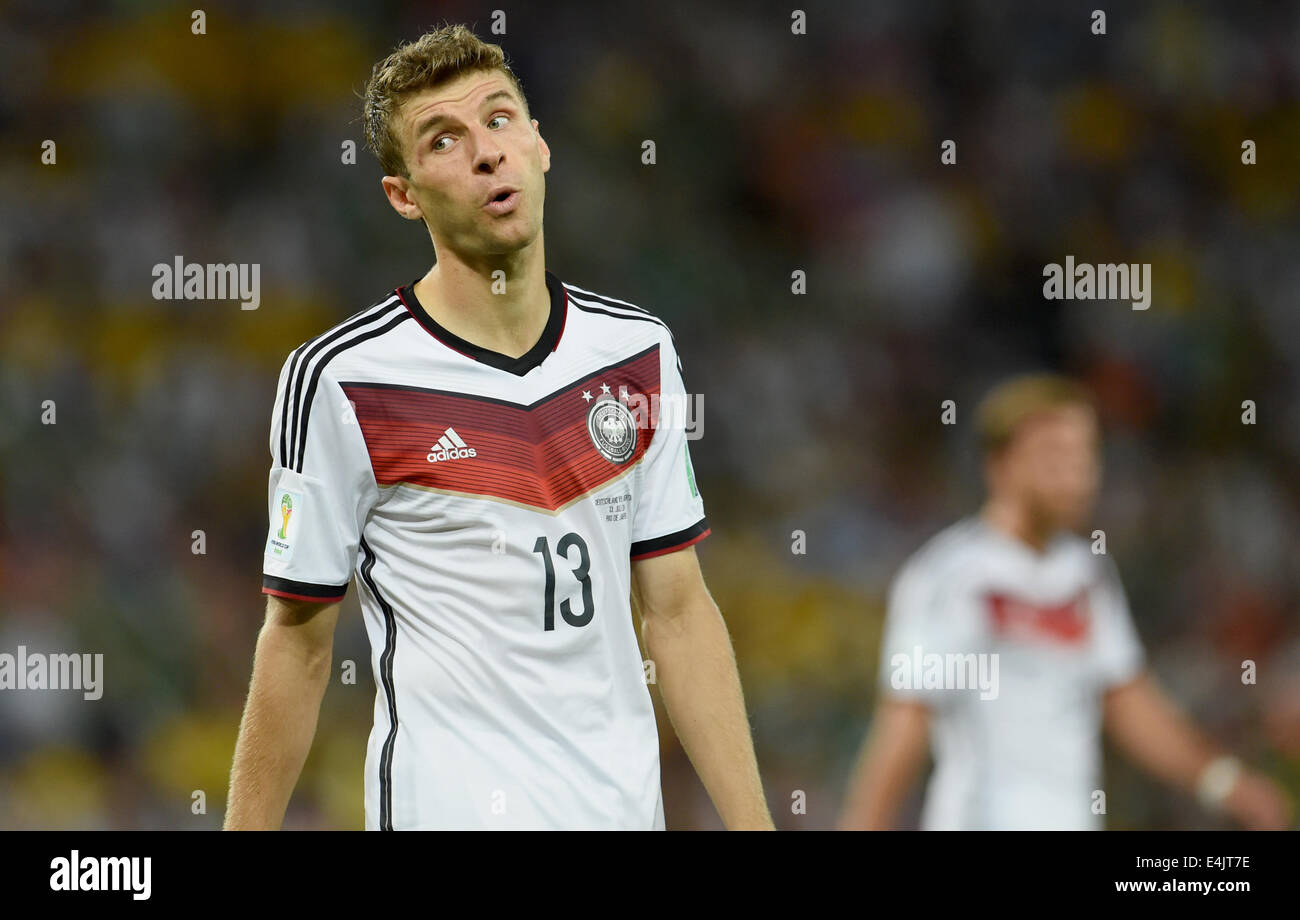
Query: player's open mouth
[503, 203]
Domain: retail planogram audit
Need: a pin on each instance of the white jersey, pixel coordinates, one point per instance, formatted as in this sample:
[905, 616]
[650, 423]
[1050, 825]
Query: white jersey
[489, 508]
[1048, 633]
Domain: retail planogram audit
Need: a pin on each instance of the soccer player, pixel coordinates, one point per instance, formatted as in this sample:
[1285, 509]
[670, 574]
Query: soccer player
[1016, 739]
[500, 459]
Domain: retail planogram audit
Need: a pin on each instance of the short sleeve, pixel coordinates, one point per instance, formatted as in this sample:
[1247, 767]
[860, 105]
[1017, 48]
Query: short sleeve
[669, 512]
[1117, 650]
[913, 628]
[321, 486]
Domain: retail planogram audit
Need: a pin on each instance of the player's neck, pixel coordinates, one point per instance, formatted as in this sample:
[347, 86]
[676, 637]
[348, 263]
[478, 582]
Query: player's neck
[1013, 519]
[505, 313]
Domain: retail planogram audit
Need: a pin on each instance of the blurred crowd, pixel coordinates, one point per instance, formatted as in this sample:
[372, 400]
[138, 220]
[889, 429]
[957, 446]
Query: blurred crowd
[776, 153]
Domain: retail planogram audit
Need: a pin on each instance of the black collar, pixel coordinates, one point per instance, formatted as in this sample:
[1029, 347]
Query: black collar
[518, 366]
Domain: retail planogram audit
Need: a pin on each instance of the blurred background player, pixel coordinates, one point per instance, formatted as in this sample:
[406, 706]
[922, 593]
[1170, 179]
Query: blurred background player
[1015, 586]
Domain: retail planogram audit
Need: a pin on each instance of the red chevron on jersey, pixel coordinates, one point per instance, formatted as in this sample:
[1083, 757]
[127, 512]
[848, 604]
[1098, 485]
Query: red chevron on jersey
[545, 455]
[1067, 622]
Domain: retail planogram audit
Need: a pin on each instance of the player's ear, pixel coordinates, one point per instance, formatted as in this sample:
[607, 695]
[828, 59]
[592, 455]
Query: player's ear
[992, 469]
[544, 150]
[398, 193]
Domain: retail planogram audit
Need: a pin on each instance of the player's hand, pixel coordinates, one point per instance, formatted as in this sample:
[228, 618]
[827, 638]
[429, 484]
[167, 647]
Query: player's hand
[1258, 803]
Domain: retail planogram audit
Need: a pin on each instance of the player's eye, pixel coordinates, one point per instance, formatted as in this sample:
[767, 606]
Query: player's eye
[439, 140]
[498, 117]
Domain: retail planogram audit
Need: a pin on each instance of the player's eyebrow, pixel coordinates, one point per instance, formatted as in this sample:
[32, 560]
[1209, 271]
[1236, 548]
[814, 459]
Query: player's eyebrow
[438, 118]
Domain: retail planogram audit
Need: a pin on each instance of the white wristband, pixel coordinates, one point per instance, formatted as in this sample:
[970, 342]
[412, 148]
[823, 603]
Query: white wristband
[1217, 780]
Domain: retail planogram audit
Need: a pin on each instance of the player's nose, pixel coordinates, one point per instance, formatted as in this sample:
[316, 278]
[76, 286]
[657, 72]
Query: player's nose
[487, 153]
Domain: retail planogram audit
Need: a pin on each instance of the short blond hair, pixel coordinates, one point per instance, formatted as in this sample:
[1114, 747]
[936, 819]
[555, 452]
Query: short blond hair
[431, 60]
[1011, 403]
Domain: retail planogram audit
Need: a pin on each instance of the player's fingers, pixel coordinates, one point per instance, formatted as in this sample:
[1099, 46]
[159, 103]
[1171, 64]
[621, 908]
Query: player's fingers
[1268, 806]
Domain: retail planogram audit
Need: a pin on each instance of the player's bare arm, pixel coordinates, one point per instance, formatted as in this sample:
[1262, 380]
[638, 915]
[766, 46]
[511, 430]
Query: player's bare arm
[887, 766]
[291, 669]
[686, 638]
[1148, 726]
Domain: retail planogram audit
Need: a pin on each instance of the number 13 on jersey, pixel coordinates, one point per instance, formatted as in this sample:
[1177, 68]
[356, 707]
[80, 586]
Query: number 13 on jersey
[581, 572]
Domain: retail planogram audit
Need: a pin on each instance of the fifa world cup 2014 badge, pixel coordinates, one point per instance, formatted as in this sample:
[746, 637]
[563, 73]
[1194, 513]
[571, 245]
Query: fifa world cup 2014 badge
[284, 514]
[286, 509]
[612, 429]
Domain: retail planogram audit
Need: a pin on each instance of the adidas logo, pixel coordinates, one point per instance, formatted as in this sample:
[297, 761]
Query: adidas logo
[450, 447]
